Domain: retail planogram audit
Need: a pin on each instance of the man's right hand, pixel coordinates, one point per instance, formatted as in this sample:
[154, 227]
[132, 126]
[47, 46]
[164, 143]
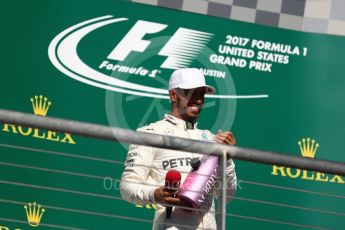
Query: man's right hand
[167, 198]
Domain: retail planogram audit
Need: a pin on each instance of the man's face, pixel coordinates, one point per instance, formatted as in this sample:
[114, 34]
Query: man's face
[190, 102]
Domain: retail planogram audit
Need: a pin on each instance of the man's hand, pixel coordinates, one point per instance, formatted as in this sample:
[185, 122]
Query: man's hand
[225, 138]
[165, 197]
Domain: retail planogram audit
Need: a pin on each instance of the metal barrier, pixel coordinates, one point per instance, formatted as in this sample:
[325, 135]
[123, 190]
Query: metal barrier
[169, 142]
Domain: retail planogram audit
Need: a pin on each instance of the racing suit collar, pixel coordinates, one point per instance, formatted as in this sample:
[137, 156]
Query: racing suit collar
[179, 122]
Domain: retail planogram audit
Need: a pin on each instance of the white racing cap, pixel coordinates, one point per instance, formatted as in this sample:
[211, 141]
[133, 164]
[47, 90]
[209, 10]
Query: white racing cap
[189, 78]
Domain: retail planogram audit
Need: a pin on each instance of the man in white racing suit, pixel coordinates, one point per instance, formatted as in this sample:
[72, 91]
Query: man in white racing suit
[142, 181]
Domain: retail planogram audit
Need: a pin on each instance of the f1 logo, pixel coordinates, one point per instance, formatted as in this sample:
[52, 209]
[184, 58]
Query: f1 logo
[180, 50]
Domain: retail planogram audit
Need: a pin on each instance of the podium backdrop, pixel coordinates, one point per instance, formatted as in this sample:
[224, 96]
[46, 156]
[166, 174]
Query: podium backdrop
[109, 62]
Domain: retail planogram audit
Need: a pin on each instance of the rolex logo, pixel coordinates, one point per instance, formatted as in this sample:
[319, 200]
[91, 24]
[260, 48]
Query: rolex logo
[308, 147]
[40, 105]
[34, 213]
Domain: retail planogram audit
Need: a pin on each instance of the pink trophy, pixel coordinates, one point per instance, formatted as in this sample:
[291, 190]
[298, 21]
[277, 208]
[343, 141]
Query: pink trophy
[199, 182]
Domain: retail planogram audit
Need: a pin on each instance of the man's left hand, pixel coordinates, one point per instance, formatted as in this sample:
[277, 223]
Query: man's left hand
[224, 137]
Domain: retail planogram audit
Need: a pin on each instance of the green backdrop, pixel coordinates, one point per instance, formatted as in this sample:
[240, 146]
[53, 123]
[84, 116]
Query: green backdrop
[296, 92]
